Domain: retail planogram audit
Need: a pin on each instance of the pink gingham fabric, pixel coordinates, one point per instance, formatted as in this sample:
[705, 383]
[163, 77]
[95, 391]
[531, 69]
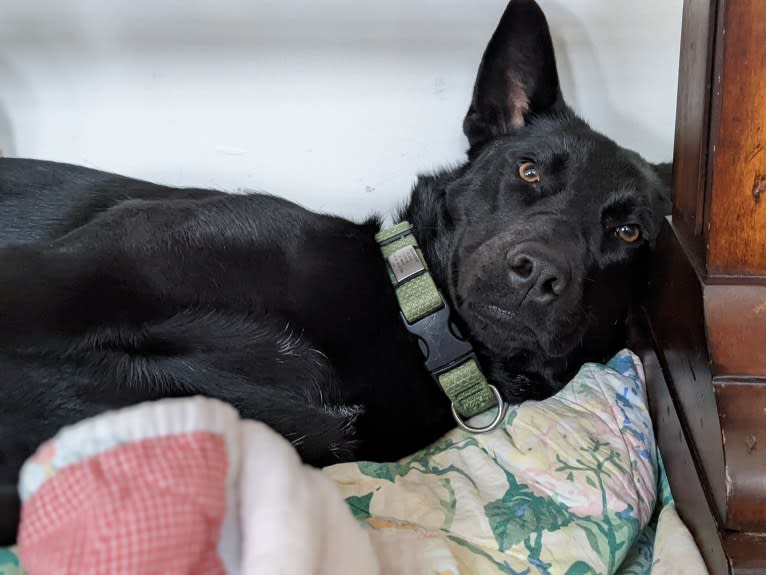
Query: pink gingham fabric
[154, 506]
[139, 491]
[182, 486]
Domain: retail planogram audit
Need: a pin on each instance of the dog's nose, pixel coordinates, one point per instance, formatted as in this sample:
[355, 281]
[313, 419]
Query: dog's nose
[536, 275]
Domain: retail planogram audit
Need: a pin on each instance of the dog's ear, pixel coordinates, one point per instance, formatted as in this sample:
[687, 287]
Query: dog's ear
[517, 76]
[664, 172]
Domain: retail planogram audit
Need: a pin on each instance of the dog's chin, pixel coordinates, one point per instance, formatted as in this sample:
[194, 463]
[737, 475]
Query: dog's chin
[503, 332]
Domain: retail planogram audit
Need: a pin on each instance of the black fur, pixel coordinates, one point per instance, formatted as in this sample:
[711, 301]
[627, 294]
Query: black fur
[115, 290]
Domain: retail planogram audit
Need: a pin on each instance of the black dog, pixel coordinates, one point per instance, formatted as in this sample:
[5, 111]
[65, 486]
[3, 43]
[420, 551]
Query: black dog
[115, 291]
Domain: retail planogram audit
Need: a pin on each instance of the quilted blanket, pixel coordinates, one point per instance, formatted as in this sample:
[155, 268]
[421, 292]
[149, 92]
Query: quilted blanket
[569, 485]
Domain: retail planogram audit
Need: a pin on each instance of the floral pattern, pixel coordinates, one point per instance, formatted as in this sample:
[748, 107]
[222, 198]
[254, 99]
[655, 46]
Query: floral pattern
[567, 485]
[9, 562]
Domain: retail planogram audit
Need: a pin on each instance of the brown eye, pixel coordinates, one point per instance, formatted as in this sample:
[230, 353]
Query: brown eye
[528, 172]
[628, 233]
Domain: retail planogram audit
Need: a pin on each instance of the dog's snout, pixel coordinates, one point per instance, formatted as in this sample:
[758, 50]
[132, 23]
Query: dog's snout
[537, 275]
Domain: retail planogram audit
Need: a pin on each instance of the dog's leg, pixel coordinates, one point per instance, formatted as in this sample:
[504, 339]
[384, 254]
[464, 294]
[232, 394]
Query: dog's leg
[258, 365]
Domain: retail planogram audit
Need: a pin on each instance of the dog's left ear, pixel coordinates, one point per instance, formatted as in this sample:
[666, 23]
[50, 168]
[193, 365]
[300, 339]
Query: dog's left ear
[517, 76]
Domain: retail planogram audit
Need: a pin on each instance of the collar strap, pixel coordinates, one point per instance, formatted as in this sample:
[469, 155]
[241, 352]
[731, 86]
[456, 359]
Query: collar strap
[448, 356]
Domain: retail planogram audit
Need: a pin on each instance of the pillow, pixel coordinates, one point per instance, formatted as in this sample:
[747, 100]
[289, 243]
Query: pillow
[566, 485]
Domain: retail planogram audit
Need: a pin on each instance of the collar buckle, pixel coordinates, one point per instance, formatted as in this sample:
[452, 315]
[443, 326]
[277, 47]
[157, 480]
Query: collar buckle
[441, 344]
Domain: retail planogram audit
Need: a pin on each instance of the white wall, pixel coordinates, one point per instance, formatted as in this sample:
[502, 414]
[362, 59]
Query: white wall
[334, 103]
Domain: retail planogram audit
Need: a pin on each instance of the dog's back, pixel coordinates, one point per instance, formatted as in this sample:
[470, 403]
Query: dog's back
[41, 200]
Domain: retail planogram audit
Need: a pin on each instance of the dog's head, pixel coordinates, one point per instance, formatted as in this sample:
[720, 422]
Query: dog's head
[549, 222]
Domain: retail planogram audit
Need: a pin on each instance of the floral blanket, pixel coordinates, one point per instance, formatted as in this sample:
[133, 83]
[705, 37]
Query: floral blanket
[569, 485]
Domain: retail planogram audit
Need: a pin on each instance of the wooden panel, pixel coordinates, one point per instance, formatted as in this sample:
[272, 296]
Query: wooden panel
[748, 553]
[693, 104]
[736, 223]
[736, 329]
[711, 339]
[692, 501]
[742, 408]
[677, 321]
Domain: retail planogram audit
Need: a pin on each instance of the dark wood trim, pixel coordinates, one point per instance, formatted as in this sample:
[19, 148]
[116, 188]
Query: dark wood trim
[676, 309]
[693, 498]
[748, 553]
[742, 412]
[710, 428]
[707, 307]
[692, 110]
[735, 211]
[735, 316]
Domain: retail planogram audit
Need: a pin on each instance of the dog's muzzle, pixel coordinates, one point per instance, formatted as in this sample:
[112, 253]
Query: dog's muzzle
[536, 274]
[524, 288]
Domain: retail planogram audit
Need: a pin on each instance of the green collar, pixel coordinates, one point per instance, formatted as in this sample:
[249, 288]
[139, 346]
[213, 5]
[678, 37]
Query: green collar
[448, 357]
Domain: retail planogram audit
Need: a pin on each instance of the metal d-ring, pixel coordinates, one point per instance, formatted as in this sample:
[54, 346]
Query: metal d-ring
[502, 407]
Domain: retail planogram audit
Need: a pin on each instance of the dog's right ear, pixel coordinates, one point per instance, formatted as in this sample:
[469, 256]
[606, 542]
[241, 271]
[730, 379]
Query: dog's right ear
[517, 76]
[664, 172]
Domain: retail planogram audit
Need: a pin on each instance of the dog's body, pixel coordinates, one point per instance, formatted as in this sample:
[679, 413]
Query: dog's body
[115, 291]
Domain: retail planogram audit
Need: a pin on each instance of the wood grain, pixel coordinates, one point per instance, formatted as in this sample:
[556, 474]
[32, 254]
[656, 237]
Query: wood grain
[691, 494]
[693, 105]
[742, 409]
[736, 220]
[748, 553]
[735, 316]
[678, 323]
[707, 308]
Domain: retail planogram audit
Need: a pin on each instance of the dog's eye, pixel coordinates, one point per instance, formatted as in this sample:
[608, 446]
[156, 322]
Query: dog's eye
[628, 233]
[528, 172]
